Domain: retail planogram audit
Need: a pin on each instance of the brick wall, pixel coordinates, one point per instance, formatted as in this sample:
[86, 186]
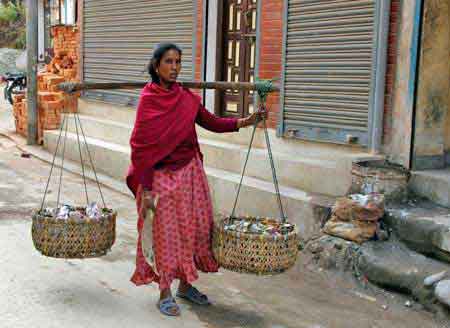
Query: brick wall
[270, 55]
[199, 46]
[390, 72]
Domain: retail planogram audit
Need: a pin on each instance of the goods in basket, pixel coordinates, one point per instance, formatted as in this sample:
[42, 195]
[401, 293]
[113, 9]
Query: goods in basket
[257, 225]
[65, 212]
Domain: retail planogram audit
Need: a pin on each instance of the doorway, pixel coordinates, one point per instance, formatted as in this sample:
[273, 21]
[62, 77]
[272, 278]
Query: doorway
[239, 55]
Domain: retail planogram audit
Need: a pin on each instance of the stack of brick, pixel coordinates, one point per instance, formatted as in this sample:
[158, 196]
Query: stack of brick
[65, 44]
[20, 113]
[52, 102]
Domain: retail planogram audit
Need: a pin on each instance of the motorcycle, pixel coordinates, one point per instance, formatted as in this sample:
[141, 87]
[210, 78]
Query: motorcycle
[15, 83]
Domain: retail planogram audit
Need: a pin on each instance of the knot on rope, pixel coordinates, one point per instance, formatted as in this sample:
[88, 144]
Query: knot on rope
[263, 88]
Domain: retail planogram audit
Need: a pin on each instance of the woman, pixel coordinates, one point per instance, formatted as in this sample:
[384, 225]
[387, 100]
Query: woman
[166, 164]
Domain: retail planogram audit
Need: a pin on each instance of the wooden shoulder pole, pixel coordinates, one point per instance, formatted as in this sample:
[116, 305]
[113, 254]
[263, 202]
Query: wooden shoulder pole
[73, 87]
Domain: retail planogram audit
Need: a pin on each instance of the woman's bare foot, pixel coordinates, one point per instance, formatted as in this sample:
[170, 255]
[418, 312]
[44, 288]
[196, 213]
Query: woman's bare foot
[184, 286]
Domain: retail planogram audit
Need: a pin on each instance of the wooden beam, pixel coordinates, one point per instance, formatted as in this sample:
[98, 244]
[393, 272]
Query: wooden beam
[73, 87]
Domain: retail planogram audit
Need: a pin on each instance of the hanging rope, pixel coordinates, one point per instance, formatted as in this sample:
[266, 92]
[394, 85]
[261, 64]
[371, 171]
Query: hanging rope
[62, 140]
[263, 88]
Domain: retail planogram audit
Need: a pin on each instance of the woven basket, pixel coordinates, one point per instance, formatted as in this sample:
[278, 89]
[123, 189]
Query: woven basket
[72, 239]
[382, 177]
[254, 253]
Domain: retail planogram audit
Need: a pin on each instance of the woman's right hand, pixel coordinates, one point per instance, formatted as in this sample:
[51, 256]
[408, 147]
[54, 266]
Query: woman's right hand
[147, 202]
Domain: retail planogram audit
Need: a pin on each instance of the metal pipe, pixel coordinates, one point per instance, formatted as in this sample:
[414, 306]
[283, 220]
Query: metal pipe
[73, 87]
[32, 59]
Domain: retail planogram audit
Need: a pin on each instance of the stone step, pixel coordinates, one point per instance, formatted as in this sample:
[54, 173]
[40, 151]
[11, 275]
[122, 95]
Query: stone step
[103, 129]
[316, 175]
[257, 196]
[432, 184]
[392, 265]
[102, 110]
[423, 226]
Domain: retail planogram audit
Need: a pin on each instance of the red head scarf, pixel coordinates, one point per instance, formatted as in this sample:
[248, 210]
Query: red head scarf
[164, 119]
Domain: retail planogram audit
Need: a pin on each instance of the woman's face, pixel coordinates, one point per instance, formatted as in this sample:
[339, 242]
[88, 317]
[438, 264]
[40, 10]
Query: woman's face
[169, 66]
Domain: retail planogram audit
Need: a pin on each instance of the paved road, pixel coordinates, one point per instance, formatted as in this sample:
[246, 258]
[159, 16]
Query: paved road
[36, 291]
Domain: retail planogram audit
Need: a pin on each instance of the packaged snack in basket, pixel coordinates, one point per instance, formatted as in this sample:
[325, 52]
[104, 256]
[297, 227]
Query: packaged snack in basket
[77, 216]
[64, 211]
[92, 211]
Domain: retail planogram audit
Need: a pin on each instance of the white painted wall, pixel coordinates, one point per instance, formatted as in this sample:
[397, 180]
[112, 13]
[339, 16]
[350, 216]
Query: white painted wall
[211, 49]
[41, 31]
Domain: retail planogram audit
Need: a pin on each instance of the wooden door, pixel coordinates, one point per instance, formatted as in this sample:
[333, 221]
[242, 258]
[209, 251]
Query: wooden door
[239, 55]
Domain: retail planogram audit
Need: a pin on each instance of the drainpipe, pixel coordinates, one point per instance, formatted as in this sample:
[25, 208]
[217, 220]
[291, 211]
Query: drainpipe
[32, 59]
[380, 79]
[416, 49]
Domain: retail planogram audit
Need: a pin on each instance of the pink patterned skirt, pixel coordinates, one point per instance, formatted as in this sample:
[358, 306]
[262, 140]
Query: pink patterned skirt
[181, 228]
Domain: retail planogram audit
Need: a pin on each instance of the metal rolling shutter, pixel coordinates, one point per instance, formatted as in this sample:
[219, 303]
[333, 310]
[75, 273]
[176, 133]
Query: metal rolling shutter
[329, 63]
[118, 38]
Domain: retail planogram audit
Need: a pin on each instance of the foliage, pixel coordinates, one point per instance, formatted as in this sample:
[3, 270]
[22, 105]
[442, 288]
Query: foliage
[12, 25]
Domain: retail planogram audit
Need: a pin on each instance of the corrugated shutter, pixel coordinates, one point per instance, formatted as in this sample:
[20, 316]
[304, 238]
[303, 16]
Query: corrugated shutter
[329, 62]
[119, 35]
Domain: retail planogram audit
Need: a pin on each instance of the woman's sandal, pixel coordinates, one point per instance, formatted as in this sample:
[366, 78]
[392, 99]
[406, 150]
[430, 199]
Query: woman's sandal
[193, 295]
[167, 305]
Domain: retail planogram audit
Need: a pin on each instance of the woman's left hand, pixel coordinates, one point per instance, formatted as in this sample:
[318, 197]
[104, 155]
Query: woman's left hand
[256, 117]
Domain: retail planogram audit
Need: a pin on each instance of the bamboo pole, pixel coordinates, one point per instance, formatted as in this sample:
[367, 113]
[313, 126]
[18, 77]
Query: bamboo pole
[73, 87]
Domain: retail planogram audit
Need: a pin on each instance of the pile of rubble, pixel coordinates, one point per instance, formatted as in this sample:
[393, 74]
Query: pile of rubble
[356, 217]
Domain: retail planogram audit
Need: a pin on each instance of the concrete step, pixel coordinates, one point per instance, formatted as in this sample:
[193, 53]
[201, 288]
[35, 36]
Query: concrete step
[323, 176]
[99, 109]
[257, 196]
[432, 184]
[103, 129]
[392, 265]
[315, 175]
[109, 158]
[423, 226]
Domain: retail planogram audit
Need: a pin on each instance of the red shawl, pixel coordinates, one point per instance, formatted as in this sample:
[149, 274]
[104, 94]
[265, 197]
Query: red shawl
[164, 119]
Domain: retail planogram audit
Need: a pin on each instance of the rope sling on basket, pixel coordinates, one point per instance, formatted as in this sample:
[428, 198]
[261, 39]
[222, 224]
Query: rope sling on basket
[72, 231]
[253, 244]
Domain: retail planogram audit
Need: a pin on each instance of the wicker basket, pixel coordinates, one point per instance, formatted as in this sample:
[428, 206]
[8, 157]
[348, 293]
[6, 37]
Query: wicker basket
[254, 253]
[72, 239]
[381, 177]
